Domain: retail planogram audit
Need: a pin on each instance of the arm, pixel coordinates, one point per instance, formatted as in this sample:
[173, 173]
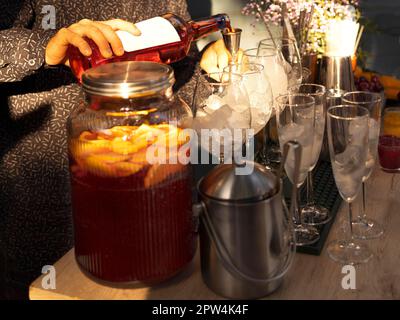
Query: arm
[21, 52]
[21, 49]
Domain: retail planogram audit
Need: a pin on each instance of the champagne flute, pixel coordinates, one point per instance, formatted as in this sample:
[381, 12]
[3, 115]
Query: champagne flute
[221, 105]
[260, 96]
[363, 227]
[295, 120]
[312, 213]
[347, 137]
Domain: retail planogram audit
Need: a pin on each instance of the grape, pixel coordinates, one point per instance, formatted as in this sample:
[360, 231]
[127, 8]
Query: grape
[364, 86]
[375, 79]
[379, 87]
[372, 87]
[363, 79]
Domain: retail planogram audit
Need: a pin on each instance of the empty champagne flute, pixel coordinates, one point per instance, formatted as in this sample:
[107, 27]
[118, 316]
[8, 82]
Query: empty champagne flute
[364, 227]
[295, 121]
[347, 137]
[221, 106]
[312, 213]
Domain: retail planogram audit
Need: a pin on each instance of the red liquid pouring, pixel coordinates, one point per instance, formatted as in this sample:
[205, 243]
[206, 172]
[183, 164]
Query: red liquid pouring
[389, 153]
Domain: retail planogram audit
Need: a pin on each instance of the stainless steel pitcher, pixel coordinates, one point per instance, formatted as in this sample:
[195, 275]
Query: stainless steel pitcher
[247, 243]
[336, 73]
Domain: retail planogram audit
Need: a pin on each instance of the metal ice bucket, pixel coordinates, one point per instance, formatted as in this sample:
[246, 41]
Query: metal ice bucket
[247, 242]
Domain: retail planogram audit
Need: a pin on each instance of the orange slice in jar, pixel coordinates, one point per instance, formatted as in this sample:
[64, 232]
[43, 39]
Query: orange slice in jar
[120, 146]
[122, 131]
[110, 165]
[124, 169]
[158, 173]
[87, 135]
[81, 149]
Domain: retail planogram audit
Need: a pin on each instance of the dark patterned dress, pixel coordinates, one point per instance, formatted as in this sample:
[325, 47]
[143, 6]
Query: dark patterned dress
[35, 102]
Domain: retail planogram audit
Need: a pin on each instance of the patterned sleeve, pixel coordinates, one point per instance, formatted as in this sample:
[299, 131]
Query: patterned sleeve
[21, 52]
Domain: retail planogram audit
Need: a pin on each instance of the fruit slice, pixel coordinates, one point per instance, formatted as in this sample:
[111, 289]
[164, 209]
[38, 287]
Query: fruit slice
[120, 146]
[160, 172]
[124, 169]
[108, 166]
[82, 149]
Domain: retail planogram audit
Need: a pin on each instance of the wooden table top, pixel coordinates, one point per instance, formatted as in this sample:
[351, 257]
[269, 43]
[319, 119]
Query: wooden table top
[310, 277]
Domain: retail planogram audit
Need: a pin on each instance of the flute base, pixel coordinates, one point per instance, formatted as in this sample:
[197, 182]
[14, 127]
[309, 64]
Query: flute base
[349, 252]
[306, 235]
[367, 229]
[315, 215]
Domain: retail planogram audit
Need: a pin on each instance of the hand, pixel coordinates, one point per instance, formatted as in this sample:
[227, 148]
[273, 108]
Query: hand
[217, 57]
[101, 32]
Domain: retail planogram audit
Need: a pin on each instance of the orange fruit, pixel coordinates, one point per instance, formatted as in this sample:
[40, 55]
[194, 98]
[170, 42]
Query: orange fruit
[160, 172]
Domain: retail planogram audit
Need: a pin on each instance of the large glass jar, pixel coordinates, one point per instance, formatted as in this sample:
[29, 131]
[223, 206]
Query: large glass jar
[131, 209]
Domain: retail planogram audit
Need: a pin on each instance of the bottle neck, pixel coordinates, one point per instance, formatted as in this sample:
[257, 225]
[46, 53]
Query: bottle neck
[203, 27]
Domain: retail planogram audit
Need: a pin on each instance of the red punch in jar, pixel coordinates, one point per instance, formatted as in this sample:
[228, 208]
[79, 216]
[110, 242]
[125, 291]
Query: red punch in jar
[132, 212]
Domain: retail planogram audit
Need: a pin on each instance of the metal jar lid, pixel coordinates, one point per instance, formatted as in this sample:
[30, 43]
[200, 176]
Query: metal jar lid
[223, 184]
[128, 79]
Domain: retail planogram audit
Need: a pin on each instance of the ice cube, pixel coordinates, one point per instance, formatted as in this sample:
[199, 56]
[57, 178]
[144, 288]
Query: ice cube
[291, 131]
[201, 113]
[358, 132]
[353, 157]
[373, 129]
[219, 118]
[239, 120]
[213, 102]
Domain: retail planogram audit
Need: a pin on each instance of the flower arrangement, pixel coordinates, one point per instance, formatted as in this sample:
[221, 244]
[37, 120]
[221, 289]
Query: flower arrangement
[269, 11]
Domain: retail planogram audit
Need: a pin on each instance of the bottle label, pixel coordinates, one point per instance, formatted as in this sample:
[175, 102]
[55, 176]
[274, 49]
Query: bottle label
[155, 32]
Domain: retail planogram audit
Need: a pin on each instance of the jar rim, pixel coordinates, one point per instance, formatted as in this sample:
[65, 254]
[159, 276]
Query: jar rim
[128, 79]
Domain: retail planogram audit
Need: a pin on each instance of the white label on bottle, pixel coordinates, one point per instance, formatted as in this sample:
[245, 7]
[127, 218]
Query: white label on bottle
[155, 32]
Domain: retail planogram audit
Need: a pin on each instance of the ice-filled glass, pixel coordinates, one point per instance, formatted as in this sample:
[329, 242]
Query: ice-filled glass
[131, 191]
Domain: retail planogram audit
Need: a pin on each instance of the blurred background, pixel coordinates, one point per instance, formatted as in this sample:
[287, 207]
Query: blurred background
[380, 42]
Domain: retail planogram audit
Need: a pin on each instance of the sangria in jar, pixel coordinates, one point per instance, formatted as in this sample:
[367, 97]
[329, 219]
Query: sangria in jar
[131, 196]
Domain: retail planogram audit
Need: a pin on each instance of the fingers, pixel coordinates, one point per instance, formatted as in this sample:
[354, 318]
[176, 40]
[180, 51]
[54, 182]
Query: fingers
[57, 47]
[111, 37]
[86, 28]
[209, 61]
[101, 32]
[118, 24]
[215, 58]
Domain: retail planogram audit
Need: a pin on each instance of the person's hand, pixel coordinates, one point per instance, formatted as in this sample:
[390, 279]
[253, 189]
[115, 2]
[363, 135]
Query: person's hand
[217, 57]
[101, 32]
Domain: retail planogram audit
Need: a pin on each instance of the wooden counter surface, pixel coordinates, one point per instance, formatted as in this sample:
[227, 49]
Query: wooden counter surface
[310, 277]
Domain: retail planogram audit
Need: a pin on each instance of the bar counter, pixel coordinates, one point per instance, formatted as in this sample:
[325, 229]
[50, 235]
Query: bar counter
[311, 277]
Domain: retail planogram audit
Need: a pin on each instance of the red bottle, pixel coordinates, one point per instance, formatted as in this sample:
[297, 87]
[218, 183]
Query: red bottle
[164, 39]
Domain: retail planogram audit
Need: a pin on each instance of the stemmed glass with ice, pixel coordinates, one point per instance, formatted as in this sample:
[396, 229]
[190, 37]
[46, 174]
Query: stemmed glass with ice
[364, 227]
[295, 118]
[347, 137]
[222, 114]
